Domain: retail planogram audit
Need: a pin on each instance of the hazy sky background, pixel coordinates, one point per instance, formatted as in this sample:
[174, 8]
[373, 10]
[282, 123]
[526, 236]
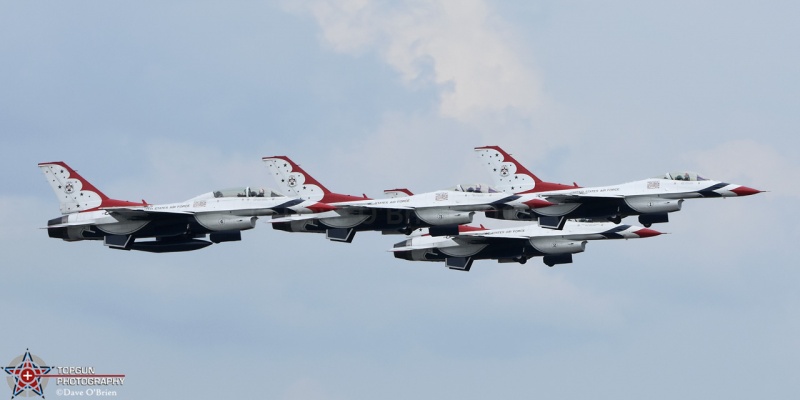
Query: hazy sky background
[167, 100]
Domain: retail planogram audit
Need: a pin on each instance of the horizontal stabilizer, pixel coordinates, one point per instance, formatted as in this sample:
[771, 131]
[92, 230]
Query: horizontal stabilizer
[304, 217]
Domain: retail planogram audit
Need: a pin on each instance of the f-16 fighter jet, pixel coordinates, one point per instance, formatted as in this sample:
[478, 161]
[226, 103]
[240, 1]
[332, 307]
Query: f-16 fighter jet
[651, 199]
[516, 244]
[403, 212]
[88, 214]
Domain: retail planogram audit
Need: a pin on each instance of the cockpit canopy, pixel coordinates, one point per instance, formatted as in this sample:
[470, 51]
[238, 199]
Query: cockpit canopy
[474, 188]
[683, 176]
[247, 191]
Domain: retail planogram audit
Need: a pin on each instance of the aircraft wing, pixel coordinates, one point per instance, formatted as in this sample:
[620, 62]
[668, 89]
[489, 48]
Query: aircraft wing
[341, 211]
[406, 203]
[140, 213]
[460, 240]
[120, 214]
[580, 197]
[354, 205]
[428, 245]
[303, 217]
[476, 239]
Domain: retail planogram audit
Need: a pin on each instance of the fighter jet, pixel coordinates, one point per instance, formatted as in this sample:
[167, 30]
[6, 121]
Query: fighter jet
[401, 212]
[88, 214]
[516, 244]
[651, 199]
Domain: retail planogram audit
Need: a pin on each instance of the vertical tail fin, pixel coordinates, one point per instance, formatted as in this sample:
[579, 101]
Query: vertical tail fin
[293, 180]
[296, 182]
[76, 194]
[509, 176]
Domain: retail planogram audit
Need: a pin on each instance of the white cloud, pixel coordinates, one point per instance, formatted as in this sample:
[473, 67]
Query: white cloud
[461, 47]
[487, 92]
[421, 153]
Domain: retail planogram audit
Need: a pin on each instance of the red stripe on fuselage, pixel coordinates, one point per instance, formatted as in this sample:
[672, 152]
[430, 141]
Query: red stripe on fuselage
[338, 197]
[548, 186]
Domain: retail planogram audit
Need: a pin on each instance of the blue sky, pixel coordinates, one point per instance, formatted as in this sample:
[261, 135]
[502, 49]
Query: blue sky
[166, 101]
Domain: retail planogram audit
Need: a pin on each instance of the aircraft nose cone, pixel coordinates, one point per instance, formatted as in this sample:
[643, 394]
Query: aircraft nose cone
[745, 191]
[647, 232]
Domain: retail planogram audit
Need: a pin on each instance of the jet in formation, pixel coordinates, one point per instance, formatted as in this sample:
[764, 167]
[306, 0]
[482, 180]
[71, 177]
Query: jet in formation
[88, 214]
[516, 244]
[401, 213]
[651, 199]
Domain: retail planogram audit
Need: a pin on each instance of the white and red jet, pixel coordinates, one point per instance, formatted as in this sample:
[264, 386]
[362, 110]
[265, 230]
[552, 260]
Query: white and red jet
[88, 214]
[651, 199]
[516, 244]
[403, 212]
